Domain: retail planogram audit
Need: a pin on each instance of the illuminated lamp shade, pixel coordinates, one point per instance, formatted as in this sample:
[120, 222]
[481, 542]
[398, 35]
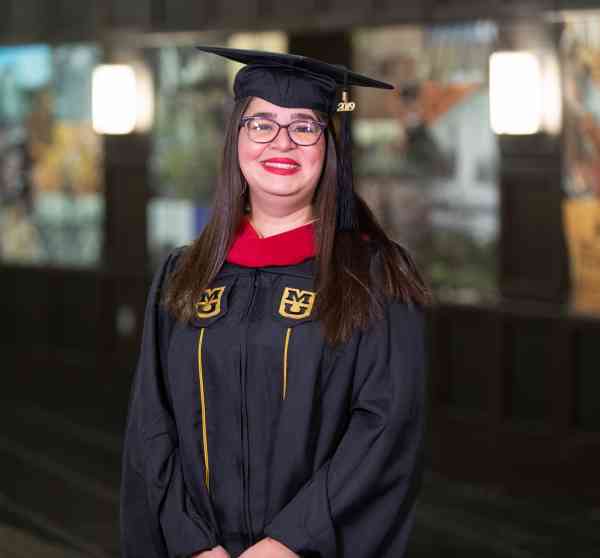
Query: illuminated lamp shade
[122, 100]
[525, 93]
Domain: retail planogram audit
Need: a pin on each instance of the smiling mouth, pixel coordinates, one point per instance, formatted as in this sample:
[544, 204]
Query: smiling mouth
[281, 163]
[281, 166]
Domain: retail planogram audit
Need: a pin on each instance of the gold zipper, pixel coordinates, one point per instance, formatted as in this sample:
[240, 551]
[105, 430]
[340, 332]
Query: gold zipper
[203, 407]
[285, 360]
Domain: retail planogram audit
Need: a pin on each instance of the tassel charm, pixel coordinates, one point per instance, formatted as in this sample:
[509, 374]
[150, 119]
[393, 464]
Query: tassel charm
[346, 105]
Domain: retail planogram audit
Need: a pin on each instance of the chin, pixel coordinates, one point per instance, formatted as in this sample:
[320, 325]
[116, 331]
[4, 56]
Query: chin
[279, 189]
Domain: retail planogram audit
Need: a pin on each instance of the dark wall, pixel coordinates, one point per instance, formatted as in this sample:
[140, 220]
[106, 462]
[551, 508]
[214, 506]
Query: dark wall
[512, 398]
[59, 20]
[62, 348]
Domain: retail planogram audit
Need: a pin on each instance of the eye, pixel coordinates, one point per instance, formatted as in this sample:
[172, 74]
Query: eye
[261, 125]
[305, 127]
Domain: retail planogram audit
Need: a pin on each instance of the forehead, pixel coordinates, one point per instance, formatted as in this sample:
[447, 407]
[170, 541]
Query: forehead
[259, 105]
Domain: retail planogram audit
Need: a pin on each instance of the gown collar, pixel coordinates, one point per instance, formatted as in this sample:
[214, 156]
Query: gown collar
[286, 248]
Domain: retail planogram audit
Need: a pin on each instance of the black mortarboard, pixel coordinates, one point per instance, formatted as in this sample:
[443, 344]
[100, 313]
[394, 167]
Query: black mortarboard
[293, 81]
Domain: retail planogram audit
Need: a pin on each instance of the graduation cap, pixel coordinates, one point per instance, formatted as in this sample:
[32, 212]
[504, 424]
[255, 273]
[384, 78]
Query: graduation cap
[293, 81]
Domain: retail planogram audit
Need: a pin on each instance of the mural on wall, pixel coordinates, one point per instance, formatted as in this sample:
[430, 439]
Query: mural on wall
[427, 159]
[581, 63]
[51, 192]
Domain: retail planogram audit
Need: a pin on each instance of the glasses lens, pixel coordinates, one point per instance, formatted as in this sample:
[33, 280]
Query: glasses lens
[261, 130]
[305, 132]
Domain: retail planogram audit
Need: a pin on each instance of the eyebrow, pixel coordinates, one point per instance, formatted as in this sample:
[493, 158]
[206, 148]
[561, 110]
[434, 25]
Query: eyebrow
[303, 115]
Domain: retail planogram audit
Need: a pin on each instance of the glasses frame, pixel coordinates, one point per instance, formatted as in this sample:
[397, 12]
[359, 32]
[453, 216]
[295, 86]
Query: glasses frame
[322, 126]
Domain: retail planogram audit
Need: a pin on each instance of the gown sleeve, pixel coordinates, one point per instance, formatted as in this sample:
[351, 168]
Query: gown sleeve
[157, 516]
[360, 502]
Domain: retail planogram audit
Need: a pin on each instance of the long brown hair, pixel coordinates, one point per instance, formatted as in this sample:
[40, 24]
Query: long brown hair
[355, 270]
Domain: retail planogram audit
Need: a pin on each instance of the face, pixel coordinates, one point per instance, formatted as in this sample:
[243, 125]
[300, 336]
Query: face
[280, 172]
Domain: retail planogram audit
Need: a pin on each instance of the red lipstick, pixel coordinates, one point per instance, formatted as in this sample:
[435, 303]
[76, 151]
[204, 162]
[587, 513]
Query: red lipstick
[281, 165]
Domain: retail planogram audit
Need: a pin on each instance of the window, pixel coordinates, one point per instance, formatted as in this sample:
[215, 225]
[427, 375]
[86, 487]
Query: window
[580, 49]
[426, 156]
[51, 190]
[194, 101]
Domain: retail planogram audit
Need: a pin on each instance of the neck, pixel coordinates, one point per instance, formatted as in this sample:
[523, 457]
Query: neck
[268, 224]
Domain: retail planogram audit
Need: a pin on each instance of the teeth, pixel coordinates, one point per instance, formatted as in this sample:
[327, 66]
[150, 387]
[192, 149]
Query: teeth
[280, 165]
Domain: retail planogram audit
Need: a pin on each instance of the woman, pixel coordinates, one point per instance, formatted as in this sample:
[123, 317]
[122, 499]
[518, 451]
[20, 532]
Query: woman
[277, 408]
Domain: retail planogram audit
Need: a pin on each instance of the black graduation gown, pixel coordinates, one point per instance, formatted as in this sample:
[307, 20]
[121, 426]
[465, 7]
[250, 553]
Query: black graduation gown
[245, 424]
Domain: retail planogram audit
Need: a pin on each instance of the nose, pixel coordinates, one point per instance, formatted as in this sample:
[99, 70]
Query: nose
[283, 141]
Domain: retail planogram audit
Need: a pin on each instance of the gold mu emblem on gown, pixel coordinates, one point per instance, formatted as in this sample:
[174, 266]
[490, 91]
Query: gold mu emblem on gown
[209, 304]
[296, 303]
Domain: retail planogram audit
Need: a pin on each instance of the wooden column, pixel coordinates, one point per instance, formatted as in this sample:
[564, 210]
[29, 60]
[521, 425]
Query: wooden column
[125, 252]
[533, 256]
[126, 162]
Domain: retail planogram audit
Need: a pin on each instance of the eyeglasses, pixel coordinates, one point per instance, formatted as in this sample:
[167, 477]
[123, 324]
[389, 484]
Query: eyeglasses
[264, 130]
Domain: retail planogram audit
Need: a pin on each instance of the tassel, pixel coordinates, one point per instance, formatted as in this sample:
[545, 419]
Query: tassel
[346, 203]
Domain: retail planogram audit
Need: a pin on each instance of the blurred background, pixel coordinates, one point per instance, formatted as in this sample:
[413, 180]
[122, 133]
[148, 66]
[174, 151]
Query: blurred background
[485, 162]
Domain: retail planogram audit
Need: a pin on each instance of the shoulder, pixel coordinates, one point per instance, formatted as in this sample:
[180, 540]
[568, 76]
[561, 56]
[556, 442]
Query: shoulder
[169, 263]
[166, 268]
[405, 314]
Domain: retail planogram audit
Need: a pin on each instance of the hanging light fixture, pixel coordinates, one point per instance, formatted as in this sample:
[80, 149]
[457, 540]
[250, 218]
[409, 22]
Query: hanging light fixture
[122, 99]
[525, 93]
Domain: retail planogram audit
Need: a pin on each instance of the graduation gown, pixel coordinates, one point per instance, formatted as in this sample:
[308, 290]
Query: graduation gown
[244, 423]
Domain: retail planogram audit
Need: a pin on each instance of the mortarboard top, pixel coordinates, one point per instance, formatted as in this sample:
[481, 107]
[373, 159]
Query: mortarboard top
[290, 80]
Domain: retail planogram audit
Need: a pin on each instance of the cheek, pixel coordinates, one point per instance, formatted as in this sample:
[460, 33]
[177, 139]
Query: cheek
[244, 151]
[248, 151]
[316, 157]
